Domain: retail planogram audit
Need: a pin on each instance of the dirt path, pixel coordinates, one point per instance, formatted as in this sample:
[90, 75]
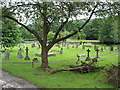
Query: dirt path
[9, 81]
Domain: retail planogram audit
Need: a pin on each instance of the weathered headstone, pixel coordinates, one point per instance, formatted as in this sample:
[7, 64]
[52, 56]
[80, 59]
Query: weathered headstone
[61, 51]
[101, 49]
[33, 45]
[95, 47]
[19, 55]
[24, 46]
[88, 58]
[23, 50]
[35, 59]
[116, 49]
[1, 46]
[77, 45]
[19, 45]
[6, 56]
[111, 48]
[34, 48]
[27, 57]
[49, 54]
[83, 47]
[97, 52]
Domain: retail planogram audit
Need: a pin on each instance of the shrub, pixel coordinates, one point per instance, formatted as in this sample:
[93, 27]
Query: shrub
[81, 41]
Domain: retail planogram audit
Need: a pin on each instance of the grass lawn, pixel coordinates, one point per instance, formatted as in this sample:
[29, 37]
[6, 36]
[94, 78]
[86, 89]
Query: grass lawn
[68, 54]
[65, 79]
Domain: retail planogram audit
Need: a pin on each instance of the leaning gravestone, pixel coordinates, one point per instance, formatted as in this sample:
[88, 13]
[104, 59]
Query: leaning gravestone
[27, 57]
[61, 51]
[6, 56]
[19, 55]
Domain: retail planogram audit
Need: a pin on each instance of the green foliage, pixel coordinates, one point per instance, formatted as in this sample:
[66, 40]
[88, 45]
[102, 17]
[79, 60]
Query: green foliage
[81, 41]
[108, 32]
[50, 36]
[10, 33]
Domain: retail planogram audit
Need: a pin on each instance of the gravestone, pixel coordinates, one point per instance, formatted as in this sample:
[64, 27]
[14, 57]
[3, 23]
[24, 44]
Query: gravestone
[27, 57]
[83, 47]
[101, 49]
[6, 56]
[77, 45]
[49, 54]
[68, 46]
[95, 47]
[19, 45]
[61, 51]
[116, 49]
[88, 58]
[34, 48]
[19, 55]
[23, 50]
[33, 45]
[97, 52]
[24, 46]
[111, 48]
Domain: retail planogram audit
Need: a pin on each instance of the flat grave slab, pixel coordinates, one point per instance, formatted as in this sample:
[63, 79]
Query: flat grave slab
[49, 54]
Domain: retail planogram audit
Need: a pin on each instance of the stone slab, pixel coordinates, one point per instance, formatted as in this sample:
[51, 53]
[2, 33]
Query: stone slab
[49, 54]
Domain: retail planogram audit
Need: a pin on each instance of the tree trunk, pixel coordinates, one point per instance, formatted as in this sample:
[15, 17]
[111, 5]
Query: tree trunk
[44, 58]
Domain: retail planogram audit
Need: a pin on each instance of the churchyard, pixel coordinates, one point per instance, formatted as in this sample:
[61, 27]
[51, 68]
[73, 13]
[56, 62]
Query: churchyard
[18, 66]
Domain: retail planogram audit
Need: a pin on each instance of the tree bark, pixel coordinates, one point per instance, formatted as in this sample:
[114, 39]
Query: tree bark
[44, 56]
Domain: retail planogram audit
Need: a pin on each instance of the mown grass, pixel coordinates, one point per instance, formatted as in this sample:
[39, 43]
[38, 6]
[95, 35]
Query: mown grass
[65, 79]
[68, 54]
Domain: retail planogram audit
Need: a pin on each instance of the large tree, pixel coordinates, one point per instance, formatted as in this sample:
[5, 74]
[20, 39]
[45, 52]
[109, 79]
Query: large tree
[45, 14]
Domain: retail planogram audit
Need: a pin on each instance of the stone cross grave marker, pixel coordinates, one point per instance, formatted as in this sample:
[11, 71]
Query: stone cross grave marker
[111, 48]
[101, 49]
[97, 52]
[88, 58]
[27, 57]
[88, 52]
[6, 56]
[61, 51]
[19, 55]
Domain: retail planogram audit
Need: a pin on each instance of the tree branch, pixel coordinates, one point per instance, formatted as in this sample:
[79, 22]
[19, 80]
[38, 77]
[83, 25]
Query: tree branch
[31, 31]
[70, 35]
